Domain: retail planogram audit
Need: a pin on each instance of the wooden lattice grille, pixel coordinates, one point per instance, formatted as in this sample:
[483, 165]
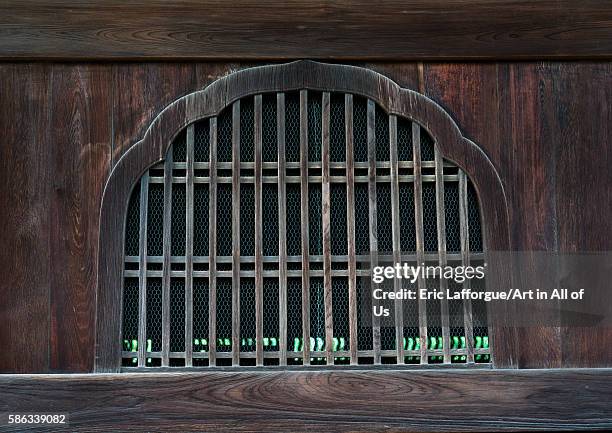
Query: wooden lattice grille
[244, 246]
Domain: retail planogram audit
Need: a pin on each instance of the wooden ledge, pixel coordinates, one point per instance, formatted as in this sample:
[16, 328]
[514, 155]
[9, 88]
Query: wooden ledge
[281, 30]
[363, 400]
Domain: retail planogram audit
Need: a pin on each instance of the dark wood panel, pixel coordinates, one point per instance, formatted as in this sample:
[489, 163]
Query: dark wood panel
[582, 98]
[80, 146]
[467, 29]
[142, 90]
[318, 401]
[25, 238]
[502, 107]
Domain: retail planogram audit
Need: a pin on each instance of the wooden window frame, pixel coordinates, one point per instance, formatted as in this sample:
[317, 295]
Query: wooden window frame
[300, 75]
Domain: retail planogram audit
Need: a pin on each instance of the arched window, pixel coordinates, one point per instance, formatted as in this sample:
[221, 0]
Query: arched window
[251, 242]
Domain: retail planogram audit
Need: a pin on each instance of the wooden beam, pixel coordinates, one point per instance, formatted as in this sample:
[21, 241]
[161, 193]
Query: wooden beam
[142, 277]
[395, 229]
[442, 259]
[350, 226]
[304, 225]
[212, 247]
[326, 225]
[189, 247]
[236, 233]
[417, 29]
[420, 236]
[258, 233]
[167, 240]
[282, 229]
[322, 401]
[371, 138]
[465, 261]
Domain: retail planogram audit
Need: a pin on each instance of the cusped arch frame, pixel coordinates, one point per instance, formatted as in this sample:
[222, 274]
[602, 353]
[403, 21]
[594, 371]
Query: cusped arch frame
[304, 74]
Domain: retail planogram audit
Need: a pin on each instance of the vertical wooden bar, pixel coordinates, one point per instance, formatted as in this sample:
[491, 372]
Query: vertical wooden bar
[350, 226]
[442, 252]
[189, 249]
[420, 241]
[282, 229]
[397, 250]
[465, 261]
[236, 233]
[142, 276]
[304, 225]
[167, 238]
[371, 136]
[326, 223]
[258, 234]
[212, 246]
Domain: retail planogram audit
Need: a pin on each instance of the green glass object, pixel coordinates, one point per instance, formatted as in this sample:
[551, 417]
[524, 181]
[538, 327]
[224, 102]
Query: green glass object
[320, 343]
[455, 342]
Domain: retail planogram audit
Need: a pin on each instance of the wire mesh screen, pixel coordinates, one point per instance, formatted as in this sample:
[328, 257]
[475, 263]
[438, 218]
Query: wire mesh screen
[214, 237]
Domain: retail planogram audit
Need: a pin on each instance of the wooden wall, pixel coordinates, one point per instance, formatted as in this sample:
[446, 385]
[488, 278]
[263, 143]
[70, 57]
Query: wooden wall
[547, 127]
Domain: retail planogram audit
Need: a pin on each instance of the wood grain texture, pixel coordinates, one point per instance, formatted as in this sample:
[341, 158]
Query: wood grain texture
[142, 90]
[319, 401]
[508, 110]
[581, 116]
[543, 126]
[25, 117]
[466, 29]
[79, 142]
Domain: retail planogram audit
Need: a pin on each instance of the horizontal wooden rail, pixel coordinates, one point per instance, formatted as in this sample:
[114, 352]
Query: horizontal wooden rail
[297, 400]
[218, 29]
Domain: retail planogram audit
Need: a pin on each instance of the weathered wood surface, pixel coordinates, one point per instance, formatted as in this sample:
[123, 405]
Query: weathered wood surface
[544, 126]
[245, 29]
[319, 401]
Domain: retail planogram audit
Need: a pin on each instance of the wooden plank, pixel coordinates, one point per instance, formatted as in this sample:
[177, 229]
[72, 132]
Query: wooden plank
[282, 229]
[581, 131]
[395, 229]
[350, 226]
[304, 225]
[212, 247]
[420, 236]
[77, 140]
[201, 400]
[465, 261]
[155, 30]
[326, 225]
[28, 186]
[258, 232]
[167, 240]
[189, 199]
[142, 278]
[236, 233]
[371, 137]
[442, 259]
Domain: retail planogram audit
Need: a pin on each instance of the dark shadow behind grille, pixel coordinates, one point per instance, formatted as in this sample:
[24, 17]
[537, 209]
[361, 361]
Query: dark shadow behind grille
[339, 299]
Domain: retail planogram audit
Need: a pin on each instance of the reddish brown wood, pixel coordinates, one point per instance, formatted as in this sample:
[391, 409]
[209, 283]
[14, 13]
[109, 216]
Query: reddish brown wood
[581, 127]
[79, 139]
[27, 185]
[216, 29]
[321, 401]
